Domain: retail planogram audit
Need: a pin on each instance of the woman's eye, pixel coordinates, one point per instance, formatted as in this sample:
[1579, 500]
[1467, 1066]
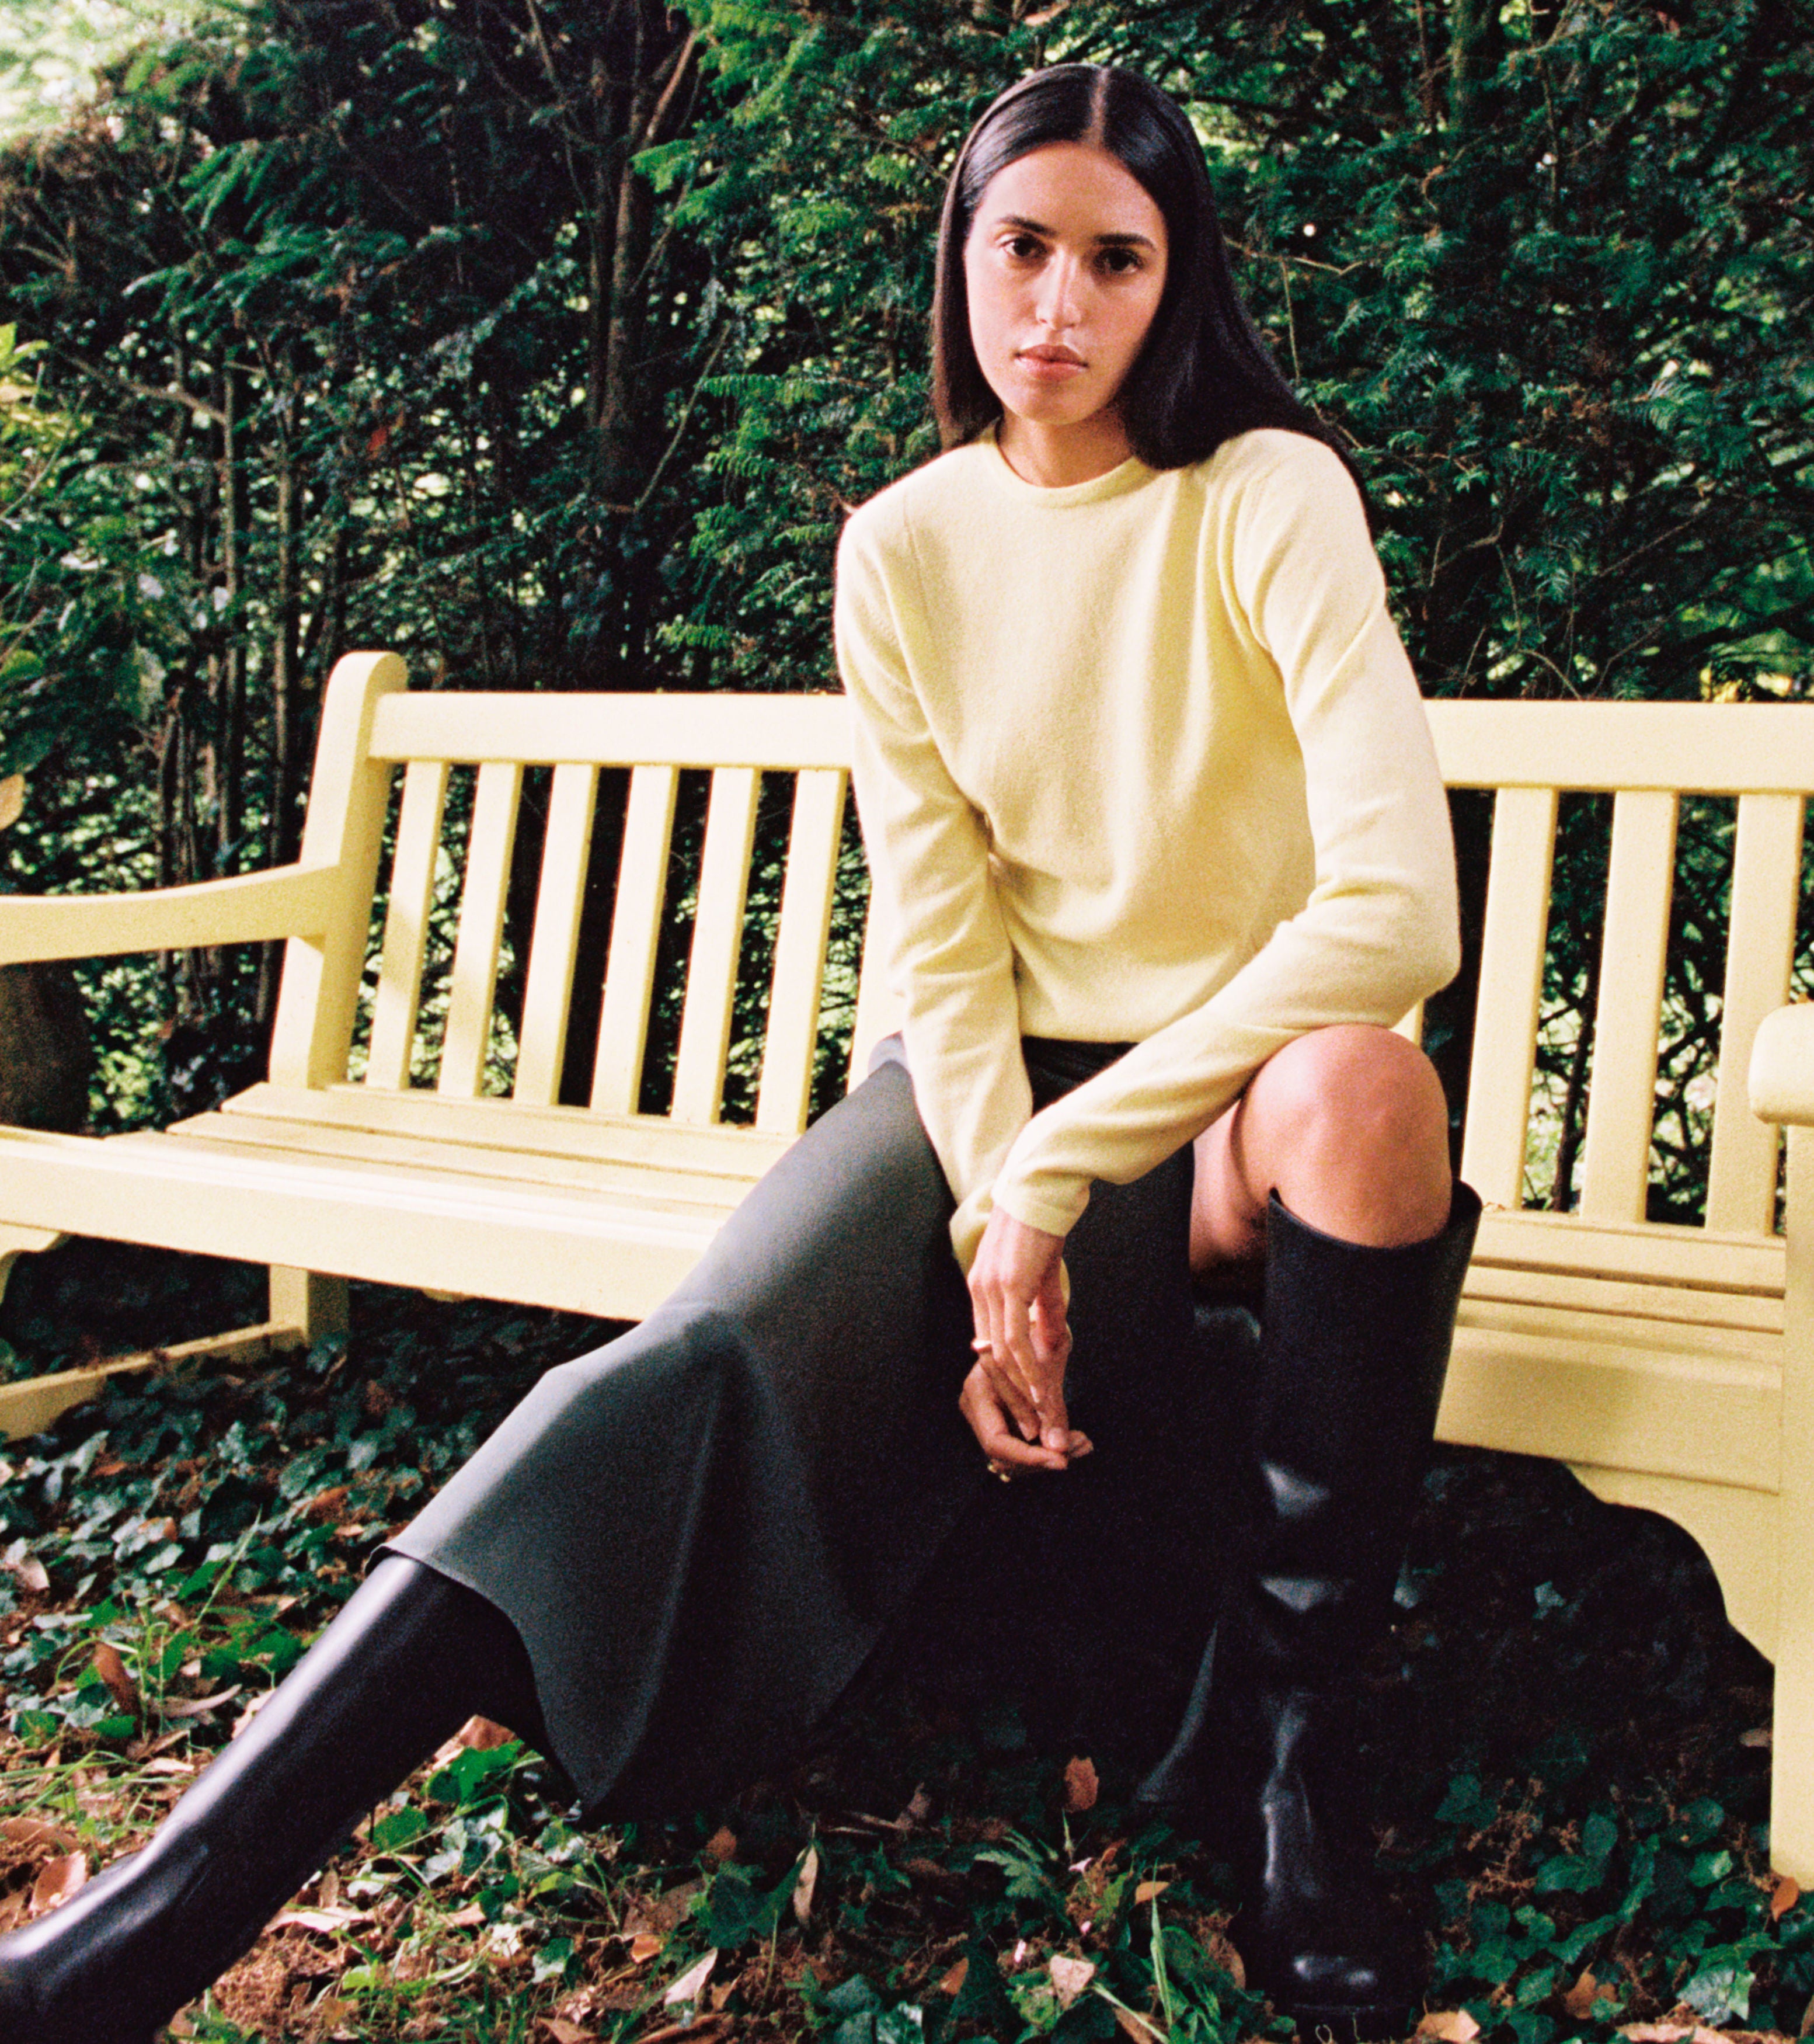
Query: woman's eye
[1021, 247]
[1122, 262]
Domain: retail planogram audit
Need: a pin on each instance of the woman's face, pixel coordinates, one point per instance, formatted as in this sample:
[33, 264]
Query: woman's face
[1064, 268]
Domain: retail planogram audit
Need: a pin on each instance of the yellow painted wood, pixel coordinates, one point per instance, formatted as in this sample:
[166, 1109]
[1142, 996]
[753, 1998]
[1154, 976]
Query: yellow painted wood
[635, 932]
[813, 843]
[1622, 1103]
[577, 1252]
[315, 1305]
[1713, 1418]
[1567, 1291]
[1792, 1789]
[1736, 1529]
[542, 1042]
[481, 930]
[1781, 1082]
[288, 901]
[1511, 989]
[1669, 1337]
[625, 730]
[657, 1181]
[505, 1125]
[1653, 1252]
[29, 1406]
[1699, 748]
[406, 922]
[318, 996]
[717, 937]
[1766, 869]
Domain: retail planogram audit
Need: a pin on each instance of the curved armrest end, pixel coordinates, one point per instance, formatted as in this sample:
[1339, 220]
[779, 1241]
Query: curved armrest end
[286, 901]
[1782, 1066]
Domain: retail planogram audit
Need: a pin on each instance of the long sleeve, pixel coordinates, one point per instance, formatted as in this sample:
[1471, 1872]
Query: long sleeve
[950, 957]
[1378, 932]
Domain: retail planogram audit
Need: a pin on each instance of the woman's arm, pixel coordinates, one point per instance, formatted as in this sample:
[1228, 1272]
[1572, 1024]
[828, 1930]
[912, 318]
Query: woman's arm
[949, 957]
[1379, 930]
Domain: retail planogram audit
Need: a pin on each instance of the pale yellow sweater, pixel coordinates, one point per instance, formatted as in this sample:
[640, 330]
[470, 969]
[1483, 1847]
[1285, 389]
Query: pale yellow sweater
[1138, 760]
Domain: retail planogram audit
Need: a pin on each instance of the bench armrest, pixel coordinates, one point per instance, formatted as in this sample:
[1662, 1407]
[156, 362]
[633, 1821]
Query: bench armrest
[288, 901]
[1782, 1066]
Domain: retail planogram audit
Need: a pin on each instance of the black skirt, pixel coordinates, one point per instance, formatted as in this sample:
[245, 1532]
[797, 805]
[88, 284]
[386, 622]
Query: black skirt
[702, 1530]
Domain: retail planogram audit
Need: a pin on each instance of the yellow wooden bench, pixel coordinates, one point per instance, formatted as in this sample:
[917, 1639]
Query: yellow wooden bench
[1654, 1358]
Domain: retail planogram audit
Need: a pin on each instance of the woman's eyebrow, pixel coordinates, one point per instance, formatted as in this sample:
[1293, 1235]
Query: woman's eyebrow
[1103, 240]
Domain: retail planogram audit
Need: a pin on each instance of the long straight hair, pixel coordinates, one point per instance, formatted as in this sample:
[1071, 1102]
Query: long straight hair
[1204, 374]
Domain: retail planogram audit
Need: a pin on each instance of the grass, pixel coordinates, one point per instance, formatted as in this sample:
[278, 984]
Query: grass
[1565, 1747]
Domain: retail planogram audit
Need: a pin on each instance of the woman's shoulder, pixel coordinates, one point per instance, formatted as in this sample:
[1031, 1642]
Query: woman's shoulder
[883, 525]
[1276, 455]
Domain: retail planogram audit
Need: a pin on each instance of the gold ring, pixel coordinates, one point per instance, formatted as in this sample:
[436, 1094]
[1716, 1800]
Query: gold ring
[1000, 1471]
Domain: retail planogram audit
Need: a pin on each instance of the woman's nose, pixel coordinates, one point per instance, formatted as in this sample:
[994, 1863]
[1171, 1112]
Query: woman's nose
[1059, 305]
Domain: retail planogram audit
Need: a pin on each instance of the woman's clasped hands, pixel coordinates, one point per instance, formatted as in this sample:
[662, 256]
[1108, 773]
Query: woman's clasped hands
[1014, 1396]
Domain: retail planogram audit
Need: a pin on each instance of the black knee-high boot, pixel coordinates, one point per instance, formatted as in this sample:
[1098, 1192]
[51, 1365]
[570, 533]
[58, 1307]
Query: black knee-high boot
[411, 1656]
[1354, 1347]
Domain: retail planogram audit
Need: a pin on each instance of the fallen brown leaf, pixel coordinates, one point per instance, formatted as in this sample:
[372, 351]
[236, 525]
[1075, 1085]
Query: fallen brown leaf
[28, 1572]
[1582, 1998]
[199, 1706]
[804, 1886]
[112, 1670]
[12, 799]
[1069, 1978]
[482, 1735]
[1137, 2027]
[701, 2028]
[1450, 2025]
[721, 1845]
[689, 1986]
[58, 1879]
[1148, 1890]
[468, 1919]
[1785, 1893]
[1079, 1785]
[919, 1809]
[329, 1920]
[563, 2032]
[956, 1978]
[645, 1947]
[32, 1831]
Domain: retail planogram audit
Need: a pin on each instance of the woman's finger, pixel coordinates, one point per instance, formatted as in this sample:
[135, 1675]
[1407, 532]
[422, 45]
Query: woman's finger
[1010, 1393]
[988, 1421]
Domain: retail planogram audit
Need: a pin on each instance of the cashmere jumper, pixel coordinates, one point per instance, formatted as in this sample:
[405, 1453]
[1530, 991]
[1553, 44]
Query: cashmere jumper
[1138, 760]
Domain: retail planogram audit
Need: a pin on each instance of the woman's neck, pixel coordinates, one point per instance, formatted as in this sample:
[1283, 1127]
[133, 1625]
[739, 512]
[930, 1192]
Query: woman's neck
[1054, 457]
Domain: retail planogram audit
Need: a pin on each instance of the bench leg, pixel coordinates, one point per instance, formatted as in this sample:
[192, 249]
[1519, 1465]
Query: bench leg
[314, 1305]
[303, 1306]
[1791, 1741]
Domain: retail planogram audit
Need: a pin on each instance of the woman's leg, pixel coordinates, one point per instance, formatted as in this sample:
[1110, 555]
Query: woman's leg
[663, 1566]
[410, 1658]
[1359, 1302]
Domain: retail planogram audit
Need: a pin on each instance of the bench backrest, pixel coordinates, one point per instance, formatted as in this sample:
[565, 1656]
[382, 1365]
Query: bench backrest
[1529, 756]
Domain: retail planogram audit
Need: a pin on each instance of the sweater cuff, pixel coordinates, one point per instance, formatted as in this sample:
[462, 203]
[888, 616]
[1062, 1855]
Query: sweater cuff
[1055, 1208]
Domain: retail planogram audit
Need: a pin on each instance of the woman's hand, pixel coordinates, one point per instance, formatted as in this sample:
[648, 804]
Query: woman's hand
[1023, 1342]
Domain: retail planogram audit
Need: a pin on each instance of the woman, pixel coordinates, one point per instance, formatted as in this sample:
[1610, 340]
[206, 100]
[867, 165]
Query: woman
[1152, 813]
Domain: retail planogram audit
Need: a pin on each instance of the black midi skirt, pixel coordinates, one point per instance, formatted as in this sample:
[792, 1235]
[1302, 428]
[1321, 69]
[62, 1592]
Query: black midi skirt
[702, 1530]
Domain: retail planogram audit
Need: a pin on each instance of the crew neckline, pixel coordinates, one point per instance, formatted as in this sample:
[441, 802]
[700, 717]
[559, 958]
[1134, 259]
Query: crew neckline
[1116, 481]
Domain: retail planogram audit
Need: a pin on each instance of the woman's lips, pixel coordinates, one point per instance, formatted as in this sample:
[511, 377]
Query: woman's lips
[1050, 365]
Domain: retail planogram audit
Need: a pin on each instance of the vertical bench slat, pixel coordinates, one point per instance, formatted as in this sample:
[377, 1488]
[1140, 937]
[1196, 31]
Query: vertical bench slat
[1760, 950]
[482, 928]
[1622, 1102]
[548, 995]
[800, 951]
[718, 935]
[1510, 995]
[635, 931]
[406, 922]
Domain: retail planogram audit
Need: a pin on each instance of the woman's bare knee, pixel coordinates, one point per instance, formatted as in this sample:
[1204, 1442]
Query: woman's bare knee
[1350, 1127]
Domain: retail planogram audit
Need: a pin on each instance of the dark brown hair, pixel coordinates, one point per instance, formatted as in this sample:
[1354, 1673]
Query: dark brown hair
[1204, 374]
